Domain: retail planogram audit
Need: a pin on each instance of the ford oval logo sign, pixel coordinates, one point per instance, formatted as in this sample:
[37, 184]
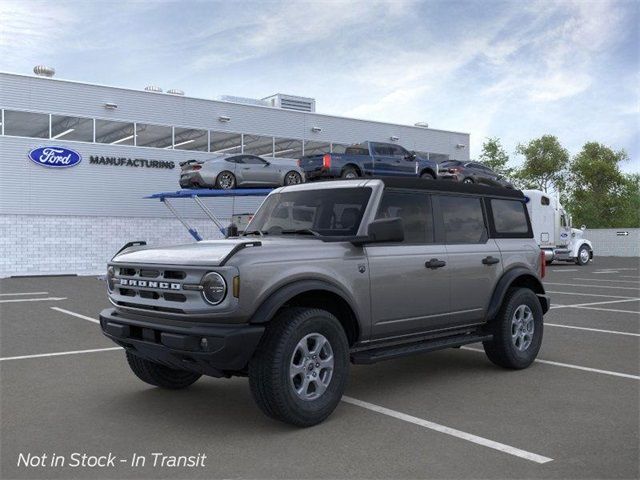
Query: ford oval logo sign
[55, 157]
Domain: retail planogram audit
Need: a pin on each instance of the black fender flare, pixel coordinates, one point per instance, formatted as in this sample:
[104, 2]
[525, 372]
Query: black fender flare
[507, 279]
[277, 299]
[430, 171]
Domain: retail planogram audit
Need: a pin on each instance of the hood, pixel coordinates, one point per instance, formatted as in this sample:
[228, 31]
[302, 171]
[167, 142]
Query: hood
[206, 253]
[212, 253]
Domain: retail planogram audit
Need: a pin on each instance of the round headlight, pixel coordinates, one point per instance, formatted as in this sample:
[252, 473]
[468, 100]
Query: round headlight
[111, 273]
[214, 288]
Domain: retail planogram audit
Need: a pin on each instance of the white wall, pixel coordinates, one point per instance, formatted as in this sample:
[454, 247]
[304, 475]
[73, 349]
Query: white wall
[608, 242]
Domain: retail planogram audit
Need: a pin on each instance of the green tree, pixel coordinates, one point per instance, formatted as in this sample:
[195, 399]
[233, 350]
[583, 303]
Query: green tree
[495, 157]
[545, 164]
[600, 195]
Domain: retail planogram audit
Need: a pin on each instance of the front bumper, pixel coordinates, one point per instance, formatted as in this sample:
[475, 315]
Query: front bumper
[215, 350]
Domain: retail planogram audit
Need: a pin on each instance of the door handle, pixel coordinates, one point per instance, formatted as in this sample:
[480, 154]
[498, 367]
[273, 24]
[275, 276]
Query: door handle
[435, 263]
[490, 260]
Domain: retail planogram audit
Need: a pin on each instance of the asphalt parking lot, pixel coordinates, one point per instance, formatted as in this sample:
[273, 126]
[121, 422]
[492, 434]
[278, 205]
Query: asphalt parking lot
[573, 414]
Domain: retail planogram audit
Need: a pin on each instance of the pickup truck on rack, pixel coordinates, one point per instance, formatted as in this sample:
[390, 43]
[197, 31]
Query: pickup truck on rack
[369, 159]
[332, 273]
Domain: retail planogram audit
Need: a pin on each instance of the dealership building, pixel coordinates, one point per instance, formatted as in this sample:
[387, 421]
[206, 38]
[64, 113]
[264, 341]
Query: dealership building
[128, 144]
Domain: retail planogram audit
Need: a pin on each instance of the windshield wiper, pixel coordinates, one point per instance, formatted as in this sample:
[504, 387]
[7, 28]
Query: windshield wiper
[301, 231]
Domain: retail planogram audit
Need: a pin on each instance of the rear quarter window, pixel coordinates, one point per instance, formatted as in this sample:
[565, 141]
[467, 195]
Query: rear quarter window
[510, 218]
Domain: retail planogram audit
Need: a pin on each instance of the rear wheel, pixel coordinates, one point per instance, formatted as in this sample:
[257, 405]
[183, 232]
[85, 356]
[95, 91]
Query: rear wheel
[349, 173]
[584, 255]
[517, 330]
[225, 180]
[428, 176]
[159, 375]
[300, 369]
[292, 178]
[468, 180]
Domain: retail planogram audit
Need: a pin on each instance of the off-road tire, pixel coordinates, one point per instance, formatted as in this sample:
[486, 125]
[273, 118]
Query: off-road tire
[501, 349]
[428, 176]
[269, 376]
[218, 183]
[159, 375]
[349, 172]
[579, 260]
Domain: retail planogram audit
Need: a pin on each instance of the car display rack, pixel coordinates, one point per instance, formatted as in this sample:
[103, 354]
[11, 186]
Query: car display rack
[196, 195]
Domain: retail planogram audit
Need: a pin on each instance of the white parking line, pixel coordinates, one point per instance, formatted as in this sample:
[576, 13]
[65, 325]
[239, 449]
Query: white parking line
[628, 276]
[57, 354]
[561, 270]
[547, 324]
[588, 294]
[577, 305]
[606, 280]
[605, 272]
[592, 286]
[84, 317]
[23, 293]
[15, 300]
[533, 457]
[610, 310]
[568, 365]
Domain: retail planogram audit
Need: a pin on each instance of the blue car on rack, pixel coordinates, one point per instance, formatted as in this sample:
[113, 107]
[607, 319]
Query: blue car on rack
[368, 159]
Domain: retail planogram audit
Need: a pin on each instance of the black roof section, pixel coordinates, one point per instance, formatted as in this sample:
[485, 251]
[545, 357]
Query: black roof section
[449, 186]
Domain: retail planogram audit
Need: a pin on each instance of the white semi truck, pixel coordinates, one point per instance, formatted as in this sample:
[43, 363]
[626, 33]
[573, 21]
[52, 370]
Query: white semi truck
[553, 232]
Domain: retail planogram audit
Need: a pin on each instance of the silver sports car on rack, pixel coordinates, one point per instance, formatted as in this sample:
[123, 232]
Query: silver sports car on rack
[242, 170]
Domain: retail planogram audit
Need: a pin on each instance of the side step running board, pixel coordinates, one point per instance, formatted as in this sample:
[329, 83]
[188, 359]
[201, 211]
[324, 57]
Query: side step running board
[387, 353]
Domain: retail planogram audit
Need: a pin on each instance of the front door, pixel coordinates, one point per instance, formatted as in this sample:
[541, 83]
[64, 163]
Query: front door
[409, 280]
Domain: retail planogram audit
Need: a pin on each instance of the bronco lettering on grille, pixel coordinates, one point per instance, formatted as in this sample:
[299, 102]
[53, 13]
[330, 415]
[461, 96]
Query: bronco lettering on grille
[145, 283]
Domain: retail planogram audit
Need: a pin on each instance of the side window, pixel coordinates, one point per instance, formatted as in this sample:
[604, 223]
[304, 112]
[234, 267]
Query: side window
[234, 160]
[251, 160]
[382, 149]
[509, 216]
[398, 151]
[415, 211]
[463, 219]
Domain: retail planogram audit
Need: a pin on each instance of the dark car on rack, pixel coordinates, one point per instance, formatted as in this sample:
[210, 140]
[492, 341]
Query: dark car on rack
[471, 172]
[368, 159]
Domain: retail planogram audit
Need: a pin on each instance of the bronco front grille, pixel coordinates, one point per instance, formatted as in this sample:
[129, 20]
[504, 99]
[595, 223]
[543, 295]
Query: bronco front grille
[157, 289]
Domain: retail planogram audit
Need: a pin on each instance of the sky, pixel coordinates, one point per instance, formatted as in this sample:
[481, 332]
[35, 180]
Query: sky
[514, 70]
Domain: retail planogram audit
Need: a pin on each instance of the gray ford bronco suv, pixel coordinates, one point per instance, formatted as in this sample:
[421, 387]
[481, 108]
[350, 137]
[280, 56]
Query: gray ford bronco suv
[328, 274]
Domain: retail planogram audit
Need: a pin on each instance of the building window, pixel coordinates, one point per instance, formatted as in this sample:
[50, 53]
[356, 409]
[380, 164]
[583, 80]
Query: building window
[26, 124]
[72, 128]
[225, 143]
[316, 148]
[258, 145]
[287, 148]
[114, 133]
[157, 136]
[190, 139]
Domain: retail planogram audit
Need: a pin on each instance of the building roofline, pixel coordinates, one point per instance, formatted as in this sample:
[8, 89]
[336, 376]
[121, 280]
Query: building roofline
[232, 103]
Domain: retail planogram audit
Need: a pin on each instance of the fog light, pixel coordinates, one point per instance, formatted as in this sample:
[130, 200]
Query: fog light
[214, 288]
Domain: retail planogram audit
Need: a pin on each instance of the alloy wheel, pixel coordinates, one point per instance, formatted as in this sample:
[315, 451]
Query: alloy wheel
[522, 327]
[311, 366]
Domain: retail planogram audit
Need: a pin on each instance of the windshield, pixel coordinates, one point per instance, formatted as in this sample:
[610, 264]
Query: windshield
[324, 212]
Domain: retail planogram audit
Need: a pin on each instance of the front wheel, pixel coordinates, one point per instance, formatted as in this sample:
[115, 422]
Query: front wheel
[584, 255]
[517, 330]
[300, 369]
[225, 180]
[292, 178]
[159, 375]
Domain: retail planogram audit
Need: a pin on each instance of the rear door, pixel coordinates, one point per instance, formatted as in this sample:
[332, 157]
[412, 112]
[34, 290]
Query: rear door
[408, 297]
[475, 264]
[383, 159]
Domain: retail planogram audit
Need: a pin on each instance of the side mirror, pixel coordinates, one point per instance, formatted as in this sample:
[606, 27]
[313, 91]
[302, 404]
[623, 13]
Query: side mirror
[583, 227]
[410, 156]
[385, 230]
[232, 231]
